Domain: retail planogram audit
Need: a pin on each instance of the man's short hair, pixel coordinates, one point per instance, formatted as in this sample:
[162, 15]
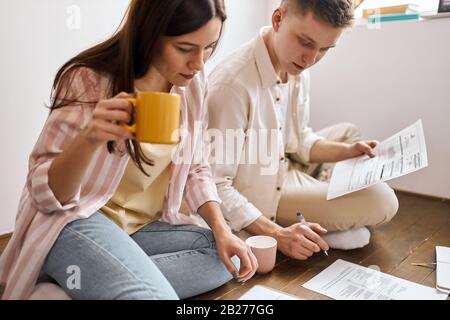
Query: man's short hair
[338, 13]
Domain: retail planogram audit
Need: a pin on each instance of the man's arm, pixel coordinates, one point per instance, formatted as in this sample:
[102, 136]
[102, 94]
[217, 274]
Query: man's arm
[297, 241]
[228, 111]
[331, 151]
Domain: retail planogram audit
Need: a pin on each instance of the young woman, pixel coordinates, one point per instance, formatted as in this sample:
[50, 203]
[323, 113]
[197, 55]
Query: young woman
[75, 223]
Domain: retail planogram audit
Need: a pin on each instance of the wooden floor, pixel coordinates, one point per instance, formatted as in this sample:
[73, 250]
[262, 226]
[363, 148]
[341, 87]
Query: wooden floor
[420, 225]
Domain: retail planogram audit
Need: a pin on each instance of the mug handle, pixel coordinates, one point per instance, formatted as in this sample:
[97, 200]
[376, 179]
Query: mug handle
[131, 128]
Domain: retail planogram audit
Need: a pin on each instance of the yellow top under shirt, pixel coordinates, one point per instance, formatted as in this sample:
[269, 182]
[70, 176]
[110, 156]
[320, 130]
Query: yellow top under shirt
[139, 199]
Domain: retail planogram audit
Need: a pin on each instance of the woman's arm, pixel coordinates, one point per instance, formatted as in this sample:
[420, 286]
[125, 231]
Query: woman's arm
[228, 245]
[67, 169]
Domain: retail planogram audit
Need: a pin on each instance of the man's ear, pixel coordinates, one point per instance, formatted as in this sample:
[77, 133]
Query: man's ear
[277, 17]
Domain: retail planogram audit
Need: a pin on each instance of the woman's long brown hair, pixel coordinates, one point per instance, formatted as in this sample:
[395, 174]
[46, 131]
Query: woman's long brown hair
[128, 54]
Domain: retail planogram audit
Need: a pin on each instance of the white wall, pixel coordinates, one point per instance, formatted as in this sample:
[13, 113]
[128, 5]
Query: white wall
[36, 40]
[384, 80]
[245, 18]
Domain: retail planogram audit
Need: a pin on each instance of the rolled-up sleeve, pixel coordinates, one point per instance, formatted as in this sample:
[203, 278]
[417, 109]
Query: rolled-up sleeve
[60, 129]
[228, 110]
[200, 187]
[308, 141]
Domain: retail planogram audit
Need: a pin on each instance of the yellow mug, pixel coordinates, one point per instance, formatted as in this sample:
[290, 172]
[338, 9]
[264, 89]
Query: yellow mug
[156, 117]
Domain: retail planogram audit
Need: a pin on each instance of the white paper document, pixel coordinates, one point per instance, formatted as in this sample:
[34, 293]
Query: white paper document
[263, 293]
[401, 154]
[348, 281]
[443, 269]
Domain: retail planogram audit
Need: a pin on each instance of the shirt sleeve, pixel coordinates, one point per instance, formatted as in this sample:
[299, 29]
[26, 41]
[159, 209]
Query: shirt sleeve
[228, 109]
[61, 128]
[200, 187]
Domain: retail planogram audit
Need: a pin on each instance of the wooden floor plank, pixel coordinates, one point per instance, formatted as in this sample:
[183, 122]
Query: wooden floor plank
[426, 253]
[4, 242]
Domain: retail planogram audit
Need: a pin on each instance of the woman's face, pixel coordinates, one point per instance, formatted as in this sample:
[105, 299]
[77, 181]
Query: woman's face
[180, 58]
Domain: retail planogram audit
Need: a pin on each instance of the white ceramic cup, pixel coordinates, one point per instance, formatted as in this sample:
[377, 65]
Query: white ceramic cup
[265, 250]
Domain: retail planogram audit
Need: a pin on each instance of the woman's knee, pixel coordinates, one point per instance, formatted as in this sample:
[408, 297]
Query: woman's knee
[204, 238]
[208, 273]
[219, 273]
[102, 269]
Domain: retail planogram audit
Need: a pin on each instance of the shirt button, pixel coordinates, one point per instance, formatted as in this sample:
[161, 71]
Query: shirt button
[281, 128]
[278, 99]
[272, 218]
[278, 82]
[282, 159]
[278, 189]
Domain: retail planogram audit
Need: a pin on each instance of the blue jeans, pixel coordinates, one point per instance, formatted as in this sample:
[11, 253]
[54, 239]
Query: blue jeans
[160, 261]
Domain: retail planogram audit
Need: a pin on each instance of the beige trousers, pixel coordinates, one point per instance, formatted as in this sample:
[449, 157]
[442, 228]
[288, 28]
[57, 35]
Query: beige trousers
[303, 192]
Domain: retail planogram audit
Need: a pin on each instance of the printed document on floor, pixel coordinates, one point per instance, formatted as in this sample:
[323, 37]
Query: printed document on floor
[348, 281]
[259, 292]
[401, 154]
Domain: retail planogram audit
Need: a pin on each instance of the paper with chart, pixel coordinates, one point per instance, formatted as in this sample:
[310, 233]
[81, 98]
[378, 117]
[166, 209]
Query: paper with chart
[348, 281]
[397, 156]
[258, 292]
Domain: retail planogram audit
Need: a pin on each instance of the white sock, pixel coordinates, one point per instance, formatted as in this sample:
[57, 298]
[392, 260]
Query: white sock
[348, 239]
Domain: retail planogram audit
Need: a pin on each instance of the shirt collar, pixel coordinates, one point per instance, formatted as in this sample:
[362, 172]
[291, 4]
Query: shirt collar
[265, 67]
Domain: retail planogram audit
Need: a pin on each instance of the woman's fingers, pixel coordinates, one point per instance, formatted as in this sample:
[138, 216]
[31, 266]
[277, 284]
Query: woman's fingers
[113, 115]
[114, 129]
[229, 265]
[119, 102]
[123, 95]
[254, 262]
[246, 264]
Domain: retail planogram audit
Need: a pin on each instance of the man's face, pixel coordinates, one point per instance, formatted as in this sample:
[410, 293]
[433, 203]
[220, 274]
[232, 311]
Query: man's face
[300, 42]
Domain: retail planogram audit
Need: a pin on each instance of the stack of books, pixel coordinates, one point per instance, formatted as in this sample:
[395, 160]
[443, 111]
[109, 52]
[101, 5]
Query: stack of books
[405, 11]
[398, 9]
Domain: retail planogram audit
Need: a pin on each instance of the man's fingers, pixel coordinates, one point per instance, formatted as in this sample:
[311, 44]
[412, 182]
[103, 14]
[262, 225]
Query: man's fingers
[318, 228]
[305, 252]
[373, 143]
[314, 237]
[300, 256]
[306, 243]
[367, 149]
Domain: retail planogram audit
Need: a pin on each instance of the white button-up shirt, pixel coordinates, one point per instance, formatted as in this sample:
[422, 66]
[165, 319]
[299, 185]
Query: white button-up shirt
[244, 94]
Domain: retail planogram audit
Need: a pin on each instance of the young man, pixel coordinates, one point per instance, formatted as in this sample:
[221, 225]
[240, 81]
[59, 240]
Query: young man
[260, 95]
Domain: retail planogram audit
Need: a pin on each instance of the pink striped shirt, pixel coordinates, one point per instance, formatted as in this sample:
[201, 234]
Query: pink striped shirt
[41, 217]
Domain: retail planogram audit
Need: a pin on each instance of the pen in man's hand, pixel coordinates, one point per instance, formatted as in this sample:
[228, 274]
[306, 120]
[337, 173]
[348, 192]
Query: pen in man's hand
[301, 219]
